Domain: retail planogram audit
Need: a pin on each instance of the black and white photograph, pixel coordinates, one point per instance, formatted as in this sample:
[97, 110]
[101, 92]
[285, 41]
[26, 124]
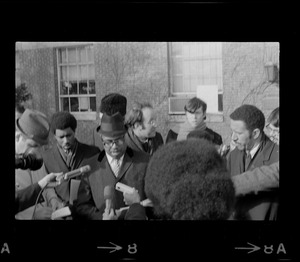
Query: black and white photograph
[140, 139]
[191, 129]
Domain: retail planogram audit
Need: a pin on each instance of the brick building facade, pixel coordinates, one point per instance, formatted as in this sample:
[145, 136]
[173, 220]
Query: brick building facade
[141, 72]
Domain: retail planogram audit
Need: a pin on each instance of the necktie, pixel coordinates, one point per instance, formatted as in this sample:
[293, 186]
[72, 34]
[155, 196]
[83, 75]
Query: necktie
[247, 159]
[116, 164]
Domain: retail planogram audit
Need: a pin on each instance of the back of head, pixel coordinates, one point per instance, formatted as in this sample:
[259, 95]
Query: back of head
[135, 115]
[62, 120]
[201, 134]
[188, 180]
[113, 103]
[250, 115]
[274, 117]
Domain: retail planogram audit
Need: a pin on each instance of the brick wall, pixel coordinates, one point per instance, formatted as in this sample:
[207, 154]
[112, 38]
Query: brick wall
[245, 79]
[140, 72]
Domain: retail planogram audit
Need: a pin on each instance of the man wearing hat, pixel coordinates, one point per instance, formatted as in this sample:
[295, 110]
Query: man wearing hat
[66, 155]
[110, 104]
[116, 163]
[32, 131]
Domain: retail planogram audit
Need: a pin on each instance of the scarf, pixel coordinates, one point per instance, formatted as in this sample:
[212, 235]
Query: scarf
[185, 128]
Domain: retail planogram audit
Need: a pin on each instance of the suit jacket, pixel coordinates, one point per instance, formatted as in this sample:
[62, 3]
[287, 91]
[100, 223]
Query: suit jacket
[153, 143]
[264, 204]
[54, 163]
[90, 202]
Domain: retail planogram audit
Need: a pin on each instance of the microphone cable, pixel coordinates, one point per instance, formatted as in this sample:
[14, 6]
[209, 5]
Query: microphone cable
[36, 202]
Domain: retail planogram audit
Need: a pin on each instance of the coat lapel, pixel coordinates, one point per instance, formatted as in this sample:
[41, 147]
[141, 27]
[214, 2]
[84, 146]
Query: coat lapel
[127, 162]
[102, 176]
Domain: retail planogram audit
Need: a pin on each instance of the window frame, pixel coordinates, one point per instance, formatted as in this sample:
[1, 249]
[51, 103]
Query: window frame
[216, 116]
[89, 115]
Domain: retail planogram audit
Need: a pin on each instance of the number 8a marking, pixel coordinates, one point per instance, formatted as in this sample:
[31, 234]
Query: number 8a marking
[132, 249]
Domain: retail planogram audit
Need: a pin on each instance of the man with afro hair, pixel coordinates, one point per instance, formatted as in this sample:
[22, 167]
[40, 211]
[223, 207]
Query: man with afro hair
[66, 155]
[187, 180]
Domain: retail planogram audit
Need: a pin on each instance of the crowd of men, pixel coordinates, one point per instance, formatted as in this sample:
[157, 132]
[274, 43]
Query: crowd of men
[192, 176]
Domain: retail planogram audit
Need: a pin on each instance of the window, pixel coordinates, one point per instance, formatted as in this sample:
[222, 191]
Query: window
[76, 81]
[192, 65]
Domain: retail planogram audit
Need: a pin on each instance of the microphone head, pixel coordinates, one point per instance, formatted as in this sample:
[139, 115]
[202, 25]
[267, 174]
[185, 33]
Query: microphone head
[108, 192]
[85, 169]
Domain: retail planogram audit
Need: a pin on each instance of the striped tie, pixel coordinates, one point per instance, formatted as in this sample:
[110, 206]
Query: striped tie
[116, 166]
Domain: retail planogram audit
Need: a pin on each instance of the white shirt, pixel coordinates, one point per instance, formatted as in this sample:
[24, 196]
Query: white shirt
[110, 159]
[253, 150]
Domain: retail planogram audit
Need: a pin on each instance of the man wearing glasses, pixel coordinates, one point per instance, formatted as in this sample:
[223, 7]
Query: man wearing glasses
[116, 163]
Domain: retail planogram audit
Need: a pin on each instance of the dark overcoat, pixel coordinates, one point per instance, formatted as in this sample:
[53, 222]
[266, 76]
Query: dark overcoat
[90, 202]
[264, 204]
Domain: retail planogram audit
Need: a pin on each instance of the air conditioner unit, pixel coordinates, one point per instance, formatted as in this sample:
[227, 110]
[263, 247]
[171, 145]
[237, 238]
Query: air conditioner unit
[176, 105]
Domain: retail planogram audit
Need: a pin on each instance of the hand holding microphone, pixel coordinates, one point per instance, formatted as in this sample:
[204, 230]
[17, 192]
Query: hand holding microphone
[109, 213]
[69, 175]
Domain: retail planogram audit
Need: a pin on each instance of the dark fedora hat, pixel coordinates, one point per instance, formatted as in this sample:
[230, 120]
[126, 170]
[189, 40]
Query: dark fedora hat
[112, 126]
[34, 125]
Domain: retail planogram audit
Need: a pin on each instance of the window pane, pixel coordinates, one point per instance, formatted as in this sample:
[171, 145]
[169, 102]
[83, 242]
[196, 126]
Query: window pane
[64, 87]
[63, 73]
[84, 104]
[220, 102]
[73, 73]
[92, 89]
[90, 53]
[74, 104]
[63, 56]
[186, 84]
[194, 83]
[65, 104]
[82, 55]
[93, 104]
[83, 72]
[72, 55]
[73, 90]
[194, 68]
[83, 87]
[91, 72]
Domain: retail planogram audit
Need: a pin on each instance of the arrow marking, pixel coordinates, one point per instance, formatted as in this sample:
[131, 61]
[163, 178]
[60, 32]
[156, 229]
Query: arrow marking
[115, 248]
[253, 248]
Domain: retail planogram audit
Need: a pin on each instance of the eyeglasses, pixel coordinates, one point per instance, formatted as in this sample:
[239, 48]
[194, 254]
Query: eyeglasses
[118, 142]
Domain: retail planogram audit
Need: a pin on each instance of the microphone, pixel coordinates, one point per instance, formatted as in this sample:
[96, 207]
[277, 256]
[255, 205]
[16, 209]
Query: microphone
[68, 175]
[77, 172]
[108, 196]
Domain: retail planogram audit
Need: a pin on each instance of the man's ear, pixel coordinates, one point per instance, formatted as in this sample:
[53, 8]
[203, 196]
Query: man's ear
[255, 133]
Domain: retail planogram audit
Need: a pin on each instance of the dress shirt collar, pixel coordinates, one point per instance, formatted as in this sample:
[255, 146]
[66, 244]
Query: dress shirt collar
[253, 150]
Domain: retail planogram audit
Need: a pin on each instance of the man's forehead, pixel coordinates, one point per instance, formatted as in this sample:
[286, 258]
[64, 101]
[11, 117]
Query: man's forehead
[237, 124]
[148, 112]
